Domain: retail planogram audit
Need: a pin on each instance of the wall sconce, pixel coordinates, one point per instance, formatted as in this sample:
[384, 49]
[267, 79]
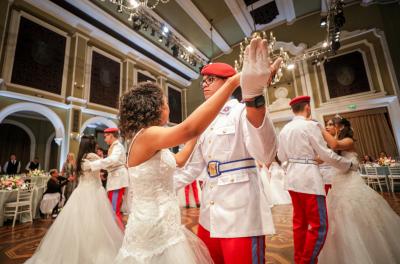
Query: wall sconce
[79, 86]
[58, 141]
[75, 136]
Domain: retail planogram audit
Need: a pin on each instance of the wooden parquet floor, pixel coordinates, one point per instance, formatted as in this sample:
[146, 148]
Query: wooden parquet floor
[18, 244]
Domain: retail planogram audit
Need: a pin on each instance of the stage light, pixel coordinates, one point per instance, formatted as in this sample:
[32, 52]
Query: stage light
[323, 22]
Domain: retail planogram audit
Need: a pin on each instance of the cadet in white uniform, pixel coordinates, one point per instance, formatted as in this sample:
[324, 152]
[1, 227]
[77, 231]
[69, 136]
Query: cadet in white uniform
[115, 164]
[300, 143]
[234, 214]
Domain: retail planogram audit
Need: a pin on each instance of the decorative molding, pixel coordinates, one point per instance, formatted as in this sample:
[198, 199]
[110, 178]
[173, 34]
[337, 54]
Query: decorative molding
[239, 16]
[28, 131]
[204, 24]
[97, 119]
[98, 113]
[285, 9]
[34, 99]
[94, 11]
[76, 100]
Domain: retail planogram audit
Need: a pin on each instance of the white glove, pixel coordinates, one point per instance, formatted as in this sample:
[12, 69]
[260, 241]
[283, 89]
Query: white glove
[354, 165]
[257, 72]
[85, 165]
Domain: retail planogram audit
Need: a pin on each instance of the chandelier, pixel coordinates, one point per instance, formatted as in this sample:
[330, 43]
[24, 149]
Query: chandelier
[333, 23]
[131, 5]
[274, 54]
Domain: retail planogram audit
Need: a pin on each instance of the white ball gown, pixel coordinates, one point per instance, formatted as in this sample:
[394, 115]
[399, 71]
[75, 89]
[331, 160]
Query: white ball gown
[154, 233]
[272, 182]
[85, 231]
[278, 193]
[363, 228]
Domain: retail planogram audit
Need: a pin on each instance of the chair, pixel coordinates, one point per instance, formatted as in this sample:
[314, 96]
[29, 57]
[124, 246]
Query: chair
[374, 178]
[394, 175]
[22, 205]
[361, 169]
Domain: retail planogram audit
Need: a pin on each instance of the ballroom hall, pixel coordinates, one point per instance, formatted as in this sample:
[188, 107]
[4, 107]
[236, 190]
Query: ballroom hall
[271, 127]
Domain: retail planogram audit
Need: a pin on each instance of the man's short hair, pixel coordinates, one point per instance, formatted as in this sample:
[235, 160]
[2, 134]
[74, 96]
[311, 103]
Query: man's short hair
[52, 171]
[299, 107]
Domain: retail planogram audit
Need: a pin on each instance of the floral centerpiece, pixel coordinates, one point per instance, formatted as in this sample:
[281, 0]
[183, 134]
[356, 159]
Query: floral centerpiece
[36, 173]
[11, 183]
[386, 161]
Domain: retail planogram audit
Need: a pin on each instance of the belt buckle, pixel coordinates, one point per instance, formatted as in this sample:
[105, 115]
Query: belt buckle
[213, 169]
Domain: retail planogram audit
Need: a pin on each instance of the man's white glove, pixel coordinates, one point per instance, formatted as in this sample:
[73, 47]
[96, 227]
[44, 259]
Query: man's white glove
[85, 165]
[257, 72]
[354, 165]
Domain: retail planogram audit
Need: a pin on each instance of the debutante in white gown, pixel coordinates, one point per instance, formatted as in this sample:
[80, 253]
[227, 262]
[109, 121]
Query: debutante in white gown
[154, 233]
[363, 228]
[85, 231]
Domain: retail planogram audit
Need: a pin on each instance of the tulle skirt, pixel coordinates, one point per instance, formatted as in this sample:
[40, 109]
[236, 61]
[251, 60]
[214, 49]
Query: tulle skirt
[85, 232]
[186, 249]
[363, 228]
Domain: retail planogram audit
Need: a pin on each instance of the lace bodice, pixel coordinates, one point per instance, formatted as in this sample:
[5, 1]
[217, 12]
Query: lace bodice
[155, 222]
[90, 177]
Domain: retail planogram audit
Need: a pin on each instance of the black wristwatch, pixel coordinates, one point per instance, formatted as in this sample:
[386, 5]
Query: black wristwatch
[256, 102]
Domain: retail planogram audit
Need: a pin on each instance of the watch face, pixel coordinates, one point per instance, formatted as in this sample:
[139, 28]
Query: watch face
[345, 75]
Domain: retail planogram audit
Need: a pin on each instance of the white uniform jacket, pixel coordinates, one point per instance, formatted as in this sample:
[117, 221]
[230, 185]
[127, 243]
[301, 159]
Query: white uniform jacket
[232, 204]
[115, 164]
[302, 139]
[327, 172]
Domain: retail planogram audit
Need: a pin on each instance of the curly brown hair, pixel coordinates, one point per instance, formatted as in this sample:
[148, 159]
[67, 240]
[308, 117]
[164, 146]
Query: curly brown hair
[140, 107]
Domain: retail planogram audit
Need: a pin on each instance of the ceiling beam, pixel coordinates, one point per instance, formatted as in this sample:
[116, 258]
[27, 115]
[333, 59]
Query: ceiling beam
[204, 24]
[239, 16]
[241, 12]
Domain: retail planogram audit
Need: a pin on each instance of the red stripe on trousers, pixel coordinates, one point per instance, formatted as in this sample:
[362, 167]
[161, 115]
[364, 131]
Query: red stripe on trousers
[306, 224]
[117, 207]
[236, 250]
[195, 193]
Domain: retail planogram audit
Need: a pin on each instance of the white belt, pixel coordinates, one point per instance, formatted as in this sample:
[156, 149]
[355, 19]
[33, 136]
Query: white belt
[216, 168]
[303, 161]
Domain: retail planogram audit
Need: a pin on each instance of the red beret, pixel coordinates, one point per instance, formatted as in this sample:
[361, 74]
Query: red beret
[111, 130]
[218, 69]
[300, 99]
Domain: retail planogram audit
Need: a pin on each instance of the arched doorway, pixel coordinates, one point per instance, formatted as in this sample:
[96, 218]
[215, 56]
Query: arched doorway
[50, 115]
[95, 126]
[14, 140]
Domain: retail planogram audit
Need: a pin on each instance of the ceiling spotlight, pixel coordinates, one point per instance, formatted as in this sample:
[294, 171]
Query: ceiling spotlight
[160, 39]
[325, 44]
[165, 29]
[190, 49]
[291, 66]
[134, 3]
[323, 22]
